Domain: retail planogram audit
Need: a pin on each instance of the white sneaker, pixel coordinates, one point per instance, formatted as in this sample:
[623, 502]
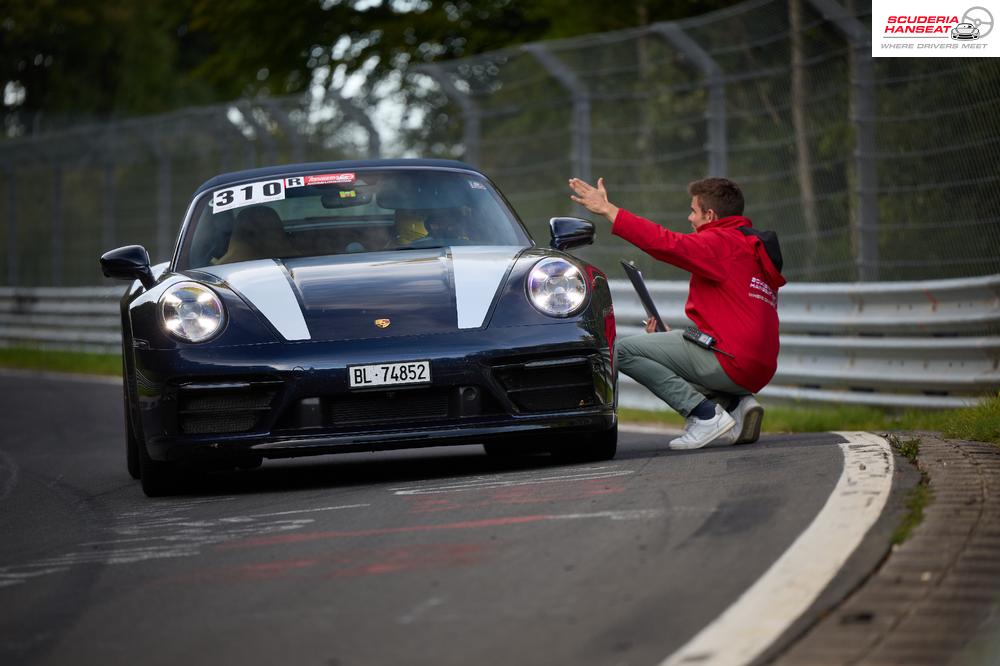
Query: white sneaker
[699, 432]
[748, 415]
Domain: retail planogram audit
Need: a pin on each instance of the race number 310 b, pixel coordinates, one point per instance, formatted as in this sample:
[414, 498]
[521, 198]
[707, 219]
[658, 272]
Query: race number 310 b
[247, 195]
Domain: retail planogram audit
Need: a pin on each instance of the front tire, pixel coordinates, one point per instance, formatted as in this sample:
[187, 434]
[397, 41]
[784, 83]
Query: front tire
[511, 448]
[159, 479]
[131, 442]
[592, 447]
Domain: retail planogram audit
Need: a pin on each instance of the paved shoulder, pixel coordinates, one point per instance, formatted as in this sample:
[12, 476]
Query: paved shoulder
[937, 598]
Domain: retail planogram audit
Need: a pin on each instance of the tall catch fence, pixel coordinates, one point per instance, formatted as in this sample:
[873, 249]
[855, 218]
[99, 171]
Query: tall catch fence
[869, 169]
[68, 196]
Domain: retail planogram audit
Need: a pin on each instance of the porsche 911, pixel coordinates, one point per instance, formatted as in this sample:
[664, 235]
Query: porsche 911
[361, 306]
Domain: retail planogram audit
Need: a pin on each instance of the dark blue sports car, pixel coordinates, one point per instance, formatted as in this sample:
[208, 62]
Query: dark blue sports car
[358, 306]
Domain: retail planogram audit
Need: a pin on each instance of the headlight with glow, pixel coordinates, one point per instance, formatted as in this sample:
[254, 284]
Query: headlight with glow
[556, 287]
[191, 312]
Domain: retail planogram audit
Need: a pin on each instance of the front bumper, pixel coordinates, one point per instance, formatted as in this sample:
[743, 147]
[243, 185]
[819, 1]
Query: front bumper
[292, 399]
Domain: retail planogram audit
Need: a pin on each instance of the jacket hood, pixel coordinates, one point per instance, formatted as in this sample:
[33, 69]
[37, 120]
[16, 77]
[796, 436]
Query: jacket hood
[765, 246]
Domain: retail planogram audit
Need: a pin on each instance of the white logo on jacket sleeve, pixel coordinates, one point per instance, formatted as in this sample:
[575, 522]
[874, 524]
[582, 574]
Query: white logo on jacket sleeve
[479, 272]
[760, 291]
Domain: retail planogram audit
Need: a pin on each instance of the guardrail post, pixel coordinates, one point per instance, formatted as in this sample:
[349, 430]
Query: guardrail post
[12, 267]
[471, 115]
[863, 117]
[581, 107]
[715, 114]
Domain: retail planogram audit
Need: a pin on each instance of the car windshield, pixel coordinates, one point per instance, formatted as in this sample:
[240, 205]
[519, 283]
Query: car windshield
[346, 212]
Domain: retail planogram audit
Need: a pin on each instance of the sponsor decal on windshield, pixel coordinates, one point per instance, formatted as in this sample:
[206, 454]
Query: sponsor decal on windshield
[320, 179]
[247, 195]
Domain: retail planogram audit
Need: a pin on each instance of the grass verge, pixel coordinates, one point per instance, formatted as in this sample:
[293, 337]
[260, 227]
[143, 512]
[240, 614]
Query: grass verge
[916, 501]
[27, 358]
[917, 498]
[980, 423]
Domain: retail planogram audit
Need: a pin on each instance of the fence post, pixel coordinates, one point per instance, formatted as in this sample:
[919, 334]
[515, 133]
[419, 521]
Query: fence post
[863, 117]
[108, 198]
[471, 115]
[163, 201]
[351, 111]
[262, 132]
[58, 225]
[108, 228]
[281, 118]
[12, 267]
[581, 107]
[715, 114]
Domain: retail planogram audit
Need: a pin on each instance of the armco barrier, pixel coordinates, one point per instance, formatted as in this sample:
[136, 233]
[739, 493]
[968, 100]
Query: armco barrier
[898, 344]
[74, 319]
[904, 344]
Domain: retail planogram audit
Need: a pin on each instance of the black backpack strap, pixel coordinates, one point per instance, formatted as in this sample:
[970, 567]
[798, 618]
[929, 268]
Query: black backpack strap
[770, 241]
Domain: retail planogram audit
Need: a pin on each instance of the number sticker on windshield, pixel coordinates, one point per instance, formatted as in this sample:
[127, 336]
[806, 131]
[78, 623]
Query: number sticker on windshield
[247, 195]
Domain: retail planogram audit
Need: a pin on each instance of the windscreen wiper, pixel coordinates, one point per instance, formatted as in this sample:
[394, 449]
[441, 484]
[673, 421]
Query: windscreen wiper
[418, 247]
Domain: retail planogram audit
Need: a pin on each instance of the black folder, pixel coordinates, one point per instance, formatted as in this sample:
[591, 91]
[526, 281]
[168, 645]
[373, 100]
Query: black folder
[635, 275]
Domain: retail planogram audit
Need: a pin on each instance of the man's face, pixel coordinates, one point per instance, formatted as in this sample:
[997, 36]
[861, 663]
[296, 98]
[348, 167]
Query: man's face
[698, 216]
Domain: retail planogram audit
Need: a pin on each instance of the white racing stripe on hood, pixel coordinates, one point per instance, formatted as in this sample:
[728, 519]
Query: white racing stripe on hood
[264, 283]
[479, 272]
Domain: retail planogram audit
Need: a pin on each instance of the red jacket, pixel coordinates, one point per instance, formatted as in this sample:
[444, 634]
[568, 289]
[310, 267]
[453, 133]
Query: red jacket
[734, 289]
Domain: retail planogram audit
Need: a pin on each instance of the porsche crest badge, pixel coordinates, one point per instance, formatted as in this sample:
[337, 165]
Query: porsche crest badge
[382, 323]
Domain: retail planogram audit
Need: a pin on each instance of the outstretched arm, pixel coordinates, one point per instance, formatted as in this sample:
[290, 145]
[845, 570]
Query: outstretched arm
[594, 199]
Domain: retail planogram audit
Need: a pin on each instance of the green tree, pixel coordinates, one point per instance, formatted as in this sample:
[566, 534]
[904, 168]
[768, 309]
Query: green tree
[281, 48]
[63, 59]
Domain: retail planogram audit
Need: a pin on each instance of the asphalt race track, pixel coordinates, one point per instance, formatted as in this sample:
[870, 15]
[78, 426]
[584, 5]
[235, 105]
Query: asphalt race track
[436, 556]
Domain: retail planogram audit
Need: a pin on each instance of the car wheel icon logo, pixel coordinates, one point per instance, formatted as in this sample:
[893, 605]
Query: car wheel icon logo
[382, 323]
[980, 18]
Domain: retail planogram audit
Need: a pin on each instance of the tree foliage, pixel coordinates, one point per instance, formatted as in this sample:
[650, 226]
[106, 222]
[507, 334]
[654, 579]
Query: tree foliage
[84, 57]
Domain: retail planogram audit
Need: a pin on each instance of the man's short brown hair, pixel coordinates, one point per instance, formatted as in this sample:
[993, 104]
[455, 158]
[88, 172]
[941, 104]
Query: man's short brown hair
[719, 194]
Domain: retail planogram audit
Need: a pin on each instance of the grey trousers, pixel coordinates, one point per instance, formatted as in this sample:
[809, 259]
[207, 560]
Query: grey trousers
[678, 372]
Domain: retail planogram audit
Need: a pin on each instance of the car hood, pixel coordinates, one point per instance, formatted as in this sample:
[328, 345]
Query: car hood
[372, 295]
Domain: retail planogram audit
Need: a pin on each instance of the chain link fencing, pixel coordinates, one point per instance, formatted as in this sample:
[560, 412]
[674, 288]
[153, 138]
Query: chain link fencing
[868, 169]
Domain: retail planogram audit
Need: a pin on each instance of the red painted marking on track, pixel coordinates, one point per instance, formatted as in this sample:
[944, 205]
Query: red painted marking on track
[301, 537]
[412, 558]
[273, 569]
[341, 564]
[527, 494]
[425, 504]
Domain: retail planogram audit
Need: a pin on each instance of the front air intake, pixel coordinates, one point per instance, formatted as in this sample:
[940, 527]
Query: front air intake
[217, 408]
[549, 385]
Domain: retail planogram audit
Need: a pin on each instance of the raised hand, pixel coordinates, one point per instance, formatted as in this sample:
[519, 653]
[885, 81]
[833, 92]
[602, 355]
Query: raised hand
[594, 199]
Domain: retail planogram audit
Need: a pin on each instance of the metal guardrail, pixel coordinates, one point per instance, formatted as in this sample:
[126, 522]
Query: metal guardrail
[927, 344]
[74, 319]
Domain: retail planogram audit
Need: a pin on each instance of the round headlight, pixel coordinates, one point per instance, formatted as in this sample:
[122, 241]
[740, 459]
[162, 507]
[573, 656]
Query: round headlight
[191, 312]
[556, 287]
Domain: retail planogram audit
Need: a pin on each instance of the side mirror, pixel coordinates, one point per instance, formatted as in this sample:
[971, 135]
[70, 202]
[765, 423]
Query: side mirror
[569, 232]
[128, 263]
